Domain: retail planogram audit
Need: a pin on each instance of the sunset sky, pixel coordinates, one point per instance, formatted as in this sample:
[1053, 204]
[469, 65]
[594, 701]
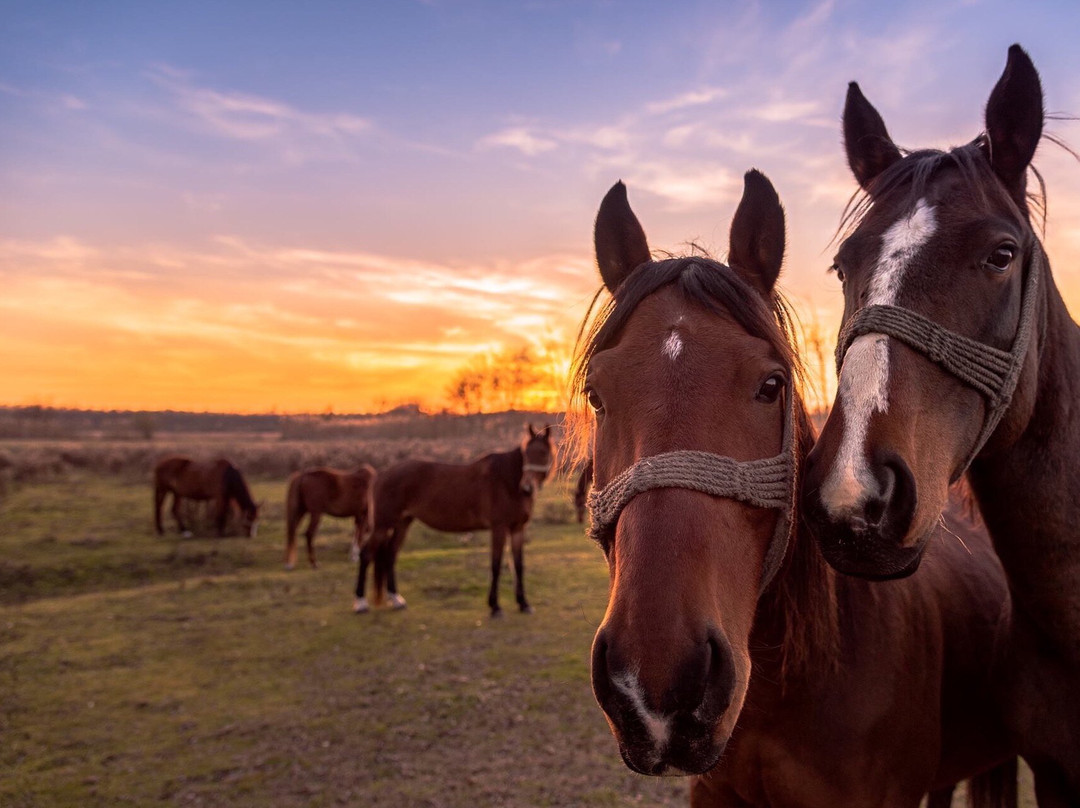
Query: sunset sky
[256, 206]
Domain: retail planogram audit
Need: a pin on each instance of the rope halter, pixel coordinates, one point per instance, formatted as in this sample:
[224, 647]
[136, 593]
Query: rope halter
[991, 371]
[765, 483]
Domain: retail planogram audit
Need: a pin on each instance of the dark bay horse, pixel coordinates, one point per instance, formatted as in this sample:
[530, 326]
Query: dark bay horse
[726, 633]
[218, 481]
[493, 493]
[323, 490]
[958, 354]
[581, 491]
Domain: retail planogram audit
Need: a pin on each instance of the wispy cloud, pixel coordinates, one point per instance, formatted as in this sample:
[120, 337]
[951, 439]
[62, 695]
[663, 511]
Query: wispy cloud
[520, 138]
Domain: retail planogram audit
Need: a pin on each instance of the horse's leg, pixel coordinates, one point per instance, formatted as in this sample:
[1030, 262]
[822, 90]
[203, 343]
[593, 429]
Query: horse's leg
[360, 605]
[395, 544]
[498, 543]
[358, 534]
[309, 534]
[1051, 785]
[222, 504]
[293, 516]
[517, 545]
[159, 500]
[178, 515]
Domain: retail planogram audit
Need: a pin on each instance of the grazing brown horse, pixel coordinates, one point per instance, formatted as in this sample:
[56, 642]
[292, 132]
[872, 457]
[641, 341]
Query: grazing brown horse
[726, 633]
[957, 353]
[323, 490]
[581, 492]
[217, 480]
[495, 493]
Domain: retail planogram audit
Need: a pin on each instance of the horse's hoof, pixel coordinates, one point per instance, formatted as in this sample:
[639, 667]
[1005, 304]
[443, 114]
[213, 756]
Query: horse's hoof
[397, 602]
[290, 566]
[526, 609]
[496, 613]
[187, 534]
[360, 606]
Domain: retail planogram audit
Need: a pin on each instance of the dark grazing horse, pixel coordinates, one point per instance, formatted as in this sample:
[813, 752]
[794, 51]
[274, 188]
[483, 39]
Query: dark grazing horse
[726, 633]
[218, 481]
[323, 490]
[958, 354]
[581, 491]
[496, 493]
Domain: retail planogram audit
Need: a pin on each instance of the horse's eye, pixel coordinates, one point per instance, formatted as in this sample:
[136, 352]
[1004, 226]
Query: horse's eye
[1001, 257]
[594, 400]
[838, 270]
[771, 388]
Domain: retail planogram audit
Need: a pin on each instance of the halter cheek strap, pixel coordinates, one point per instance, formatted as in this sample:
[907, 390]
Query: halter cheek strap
[991, 371]
[766, 483]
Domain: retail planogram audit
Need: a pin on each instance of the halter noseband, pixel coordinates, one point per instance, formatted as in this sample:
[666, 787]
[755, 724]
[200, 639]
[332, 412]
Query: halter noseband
[765, 483]
[991, 371]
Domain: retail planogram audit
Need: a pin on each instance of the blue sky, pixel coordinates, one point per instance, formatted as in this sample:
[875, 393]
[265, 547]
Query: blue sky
[362, 196]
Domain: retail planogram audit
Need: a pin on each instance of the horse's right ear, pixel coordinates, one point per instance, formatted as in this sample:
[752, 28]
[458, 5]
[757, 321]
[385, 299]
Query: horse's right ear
[756, 248]
[620, 241]
[532, 432]
[869, 148]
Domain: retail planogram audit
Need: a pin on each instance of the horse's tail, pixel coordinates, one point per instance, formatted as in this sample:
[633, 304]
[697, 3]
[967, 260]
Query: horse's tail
[382, 550]
[995, 788]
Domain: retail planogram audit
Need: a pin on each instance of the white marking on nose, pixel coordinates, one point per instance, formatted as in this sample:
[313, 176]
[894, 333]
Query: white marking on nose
[673, 346]
[658, 726]
[864, 376]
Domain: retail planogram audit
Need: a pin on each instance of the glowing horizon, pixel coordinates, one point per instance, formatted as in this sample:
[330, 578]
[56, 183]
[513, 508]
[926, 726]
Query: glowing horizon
[189, 224]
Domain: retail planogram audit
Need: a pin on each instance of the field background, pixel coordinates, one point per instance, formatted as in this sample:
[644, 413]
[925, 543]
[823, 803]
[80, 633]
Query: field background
[138, 670]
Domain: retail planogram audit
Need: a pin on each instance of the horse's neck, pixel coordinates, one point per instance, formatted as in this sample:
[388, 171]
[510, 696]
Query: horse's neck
[797, 615]
[1029, 492]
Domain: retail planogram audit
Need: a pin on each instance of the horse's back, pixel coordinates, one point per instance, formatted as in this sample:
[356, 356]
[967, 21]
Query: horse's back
[333, 491]
[444, 496]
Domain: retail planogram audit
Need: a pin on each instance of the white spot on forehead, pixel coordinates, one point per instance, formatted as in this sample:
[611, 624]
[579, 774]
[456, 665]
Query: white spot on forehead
[658, 726]
[864, 376]
[673, 346]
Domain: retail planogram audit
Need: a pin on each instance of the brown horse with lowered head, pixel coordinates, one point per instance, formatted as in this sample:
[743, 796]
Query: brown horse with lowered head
[493, 493]
[338, 493]
[218, 481]
[958, 354]
[729, 649]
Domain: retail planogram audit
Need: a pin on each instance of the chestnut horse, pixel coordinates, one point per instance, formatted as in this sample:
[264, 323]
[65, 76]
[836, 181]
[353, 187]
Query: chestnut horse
[581, 491]
[322, 490]
[726, 633]
[958, 353]
[496, 493]
[216, 480]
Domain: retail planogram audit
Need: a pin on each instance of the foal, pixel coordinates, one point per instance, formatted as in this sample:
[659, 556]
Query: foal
[726, 634]
[324, 490]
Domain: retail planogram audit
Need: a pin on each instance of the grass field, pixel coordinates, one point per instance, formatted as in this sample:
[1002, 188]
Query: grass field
[136, 669]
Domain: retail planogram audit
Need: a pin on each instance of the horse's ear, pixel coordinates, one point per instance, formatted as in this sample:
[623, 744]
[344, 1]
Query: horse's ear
[1014, 122]
[869, 148]
[620, 241]
[756, 248]
[546, 433]
[532, 432]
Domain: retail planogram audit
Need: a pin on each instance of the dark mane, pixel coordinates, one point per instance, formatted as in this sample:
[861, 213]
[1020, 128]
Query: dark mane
[236, 488]
[913, 174]
[802, 600]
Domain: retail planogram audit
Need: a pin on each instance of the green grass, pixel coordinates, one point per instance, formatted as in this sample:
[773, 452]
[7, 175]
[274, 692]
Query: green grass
[136, 669]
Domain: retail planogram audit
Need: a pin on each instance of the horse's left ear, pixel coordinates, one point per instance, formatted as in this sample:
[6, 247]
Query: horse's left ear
[1014, 121]
[545, 433]
[532, 432]
[756, 248]
[620, 240]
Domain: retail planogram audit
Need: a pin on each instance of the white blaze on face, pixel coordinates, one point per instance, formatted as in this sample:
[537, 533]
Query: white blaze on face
[864, 377]
[673, 346]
